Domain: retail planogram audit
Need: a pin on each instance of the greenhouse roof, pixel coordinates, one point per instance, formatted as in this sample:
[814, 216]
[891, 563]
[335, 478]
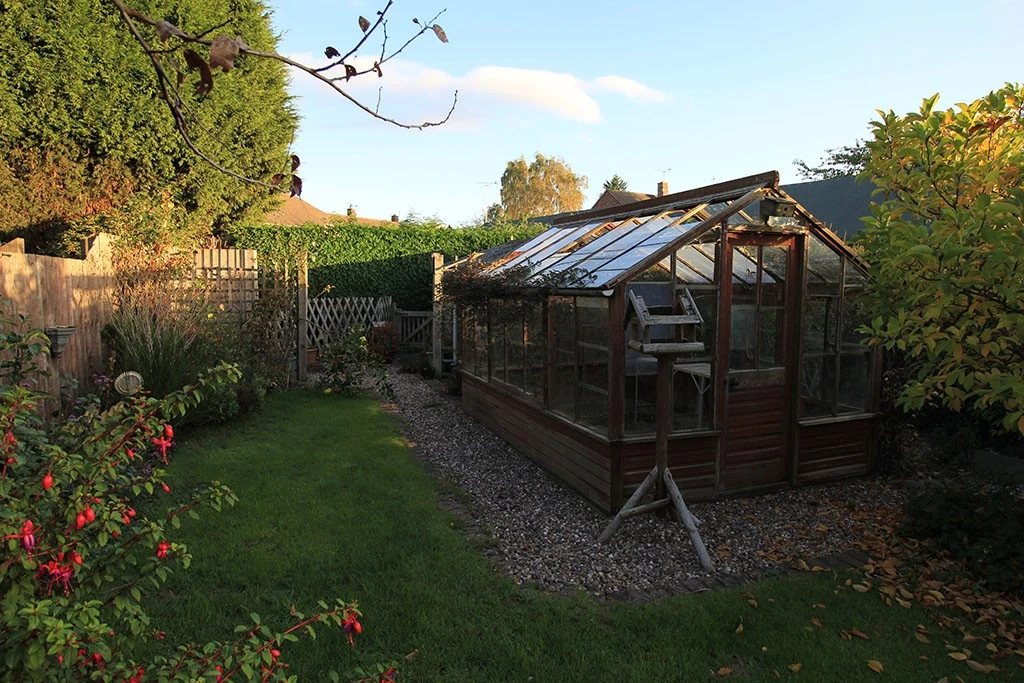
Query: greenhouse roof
[599, 249]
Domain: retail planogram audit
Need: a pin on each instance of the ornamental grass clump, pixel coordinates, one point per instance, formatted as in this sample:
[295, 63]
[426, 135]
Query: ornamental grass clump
[159, 323]
[87, 527]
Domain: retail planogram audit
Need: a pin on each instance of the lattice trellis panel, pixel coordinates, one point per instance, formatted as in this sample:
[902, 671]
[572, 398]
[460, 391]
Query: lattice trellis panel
[331, 317]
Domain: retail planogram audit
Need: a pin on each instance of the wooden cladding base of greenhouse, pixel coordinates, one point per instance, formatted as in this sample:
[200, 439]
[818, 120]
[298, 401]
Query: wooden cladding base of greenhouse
[606, 473]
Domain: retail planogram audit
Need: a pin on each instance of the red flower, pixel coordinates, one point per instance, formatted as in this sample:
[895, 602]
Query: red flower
[165, 487]
[162, 548]
[169, 431]
[57, 573]
[28, 538]
[351, 625]
[162, 445]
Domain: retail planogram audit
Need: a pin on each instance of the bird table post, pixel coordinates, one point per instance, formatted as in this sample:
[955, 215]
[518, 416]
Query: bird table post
[663, 412]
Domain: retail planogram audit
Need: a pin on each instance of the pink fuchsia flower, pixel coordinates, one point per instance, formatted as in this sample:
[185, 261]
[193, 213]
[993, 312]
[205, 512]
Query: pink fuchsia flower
[162, 548]
[28, 538]
[162, 444]
[351, 625]
[57, 572]
[169, 431]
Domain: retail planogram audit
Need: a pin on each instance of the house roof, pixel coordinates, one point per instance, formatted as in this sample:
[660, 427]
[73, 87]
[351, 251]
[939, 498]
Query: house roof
[601, 248]
[619, 197]
[839, 203]
[296, 211]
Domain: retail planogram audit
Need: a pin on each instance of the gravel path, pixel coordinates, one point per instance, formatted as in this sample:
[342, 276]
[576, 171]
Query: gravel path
[544, 532]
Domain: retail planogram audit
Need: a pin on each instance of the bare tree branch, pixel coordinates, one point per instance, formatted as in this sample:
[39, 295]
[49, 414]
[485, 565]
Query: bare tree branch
[127, 14]
[172, 97]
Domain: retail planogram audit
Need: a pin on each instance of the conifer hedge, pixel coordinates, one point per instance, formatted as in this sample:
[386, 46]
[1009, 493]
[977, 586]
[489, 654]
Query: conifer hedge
[357, 260]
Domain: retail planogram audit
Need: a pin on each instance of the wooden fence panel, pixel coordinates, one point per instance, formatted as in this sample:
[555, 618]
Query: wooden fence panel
[58, 291]
[79, 292]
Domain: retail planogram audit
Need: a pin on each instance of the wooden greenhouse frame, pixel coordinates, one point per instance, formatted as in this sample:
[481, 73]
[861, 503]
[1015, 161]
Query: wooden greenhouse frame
[754, 299]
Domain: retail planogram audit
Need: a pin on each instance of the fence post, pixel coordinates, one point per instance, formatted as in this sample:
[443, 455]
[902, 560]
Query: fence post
[302, 318]
[436, 328]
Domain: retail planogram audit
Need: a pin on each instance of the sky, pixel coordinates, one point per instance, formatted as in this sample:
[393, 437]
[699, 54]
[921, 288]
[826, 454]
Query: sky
[686, 92]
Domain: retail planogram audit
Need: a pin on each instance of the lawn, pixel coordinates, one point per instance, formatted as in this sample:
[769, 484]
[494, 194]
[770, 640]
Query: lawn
[334, 504]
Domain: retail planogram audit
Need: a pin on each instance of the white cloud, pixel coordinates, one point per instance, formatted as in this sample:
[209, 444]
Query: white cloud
[627, 87]
[562, 94]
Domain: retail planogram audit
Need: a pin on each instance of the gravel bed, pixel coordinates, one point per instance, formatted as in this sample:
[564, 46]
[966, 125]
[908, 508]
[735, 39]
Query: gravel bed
[544, 533]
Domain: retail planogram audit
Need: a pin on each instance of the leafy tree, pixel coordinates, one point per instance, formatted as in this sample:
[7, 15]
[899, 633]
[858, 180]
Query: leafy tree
[616, 183]
[838, 162]
[84, 127]
[946, 248]
[545, 186]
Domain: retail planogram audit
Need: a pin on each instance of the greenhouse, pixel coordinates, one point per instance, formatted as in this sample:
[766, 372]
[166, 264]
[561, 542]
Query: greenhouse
[748, 302]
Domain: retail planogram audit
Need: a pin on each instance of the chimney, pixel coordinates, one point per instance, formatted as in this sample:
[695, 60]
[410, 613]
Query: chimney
[394, 218]
[662, 188]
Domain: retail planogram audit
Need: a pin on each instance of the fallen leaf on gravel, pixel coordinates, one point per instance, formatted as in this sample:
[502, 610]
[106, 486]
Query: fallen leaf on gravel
[818, 605]
[859, 634]
[739, 629]
[981, 668]
[724, 671]
[862, 587]
[958, 656]
[750, 598]
[816, 621]
[922, 637]
[875, 666]
[991, 647]
[822, 528]
[412, 655]
[795, 667]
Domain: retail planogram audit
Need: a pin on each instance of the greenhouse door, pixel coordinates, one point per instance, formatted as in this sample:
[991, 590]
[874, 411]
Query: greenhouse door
[759, 308]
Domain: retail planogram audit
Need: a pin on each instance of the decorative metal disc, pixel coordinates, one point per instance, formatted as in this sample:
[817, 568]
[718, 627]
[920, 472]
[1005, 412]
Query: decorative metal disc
[128, 383]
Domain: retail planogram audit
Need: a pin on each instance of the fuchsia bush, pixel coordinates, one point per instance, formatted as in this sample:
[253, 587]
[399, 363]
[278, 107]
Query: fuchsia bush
[78, 553]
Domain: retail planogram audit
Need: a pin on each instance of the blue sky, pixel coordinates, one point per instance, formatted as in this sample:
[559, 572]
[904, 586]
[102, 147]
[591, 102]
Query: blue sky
[682, 91]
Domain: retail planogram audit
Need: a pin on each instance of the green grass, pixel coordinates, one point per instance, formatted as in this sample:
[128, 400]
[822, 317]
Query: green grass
[333, 504]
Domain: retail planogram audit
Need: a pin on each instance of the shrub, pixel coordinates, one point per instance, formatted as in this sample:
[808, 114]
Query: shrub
[945, 248]
[78, 550]
[384, 340]
[350, 366]
[983, 526]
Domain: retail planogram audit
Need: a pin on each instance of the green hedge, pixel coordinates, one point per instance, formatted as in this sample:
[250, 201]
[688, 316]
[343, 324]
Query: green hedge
[357, 260]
